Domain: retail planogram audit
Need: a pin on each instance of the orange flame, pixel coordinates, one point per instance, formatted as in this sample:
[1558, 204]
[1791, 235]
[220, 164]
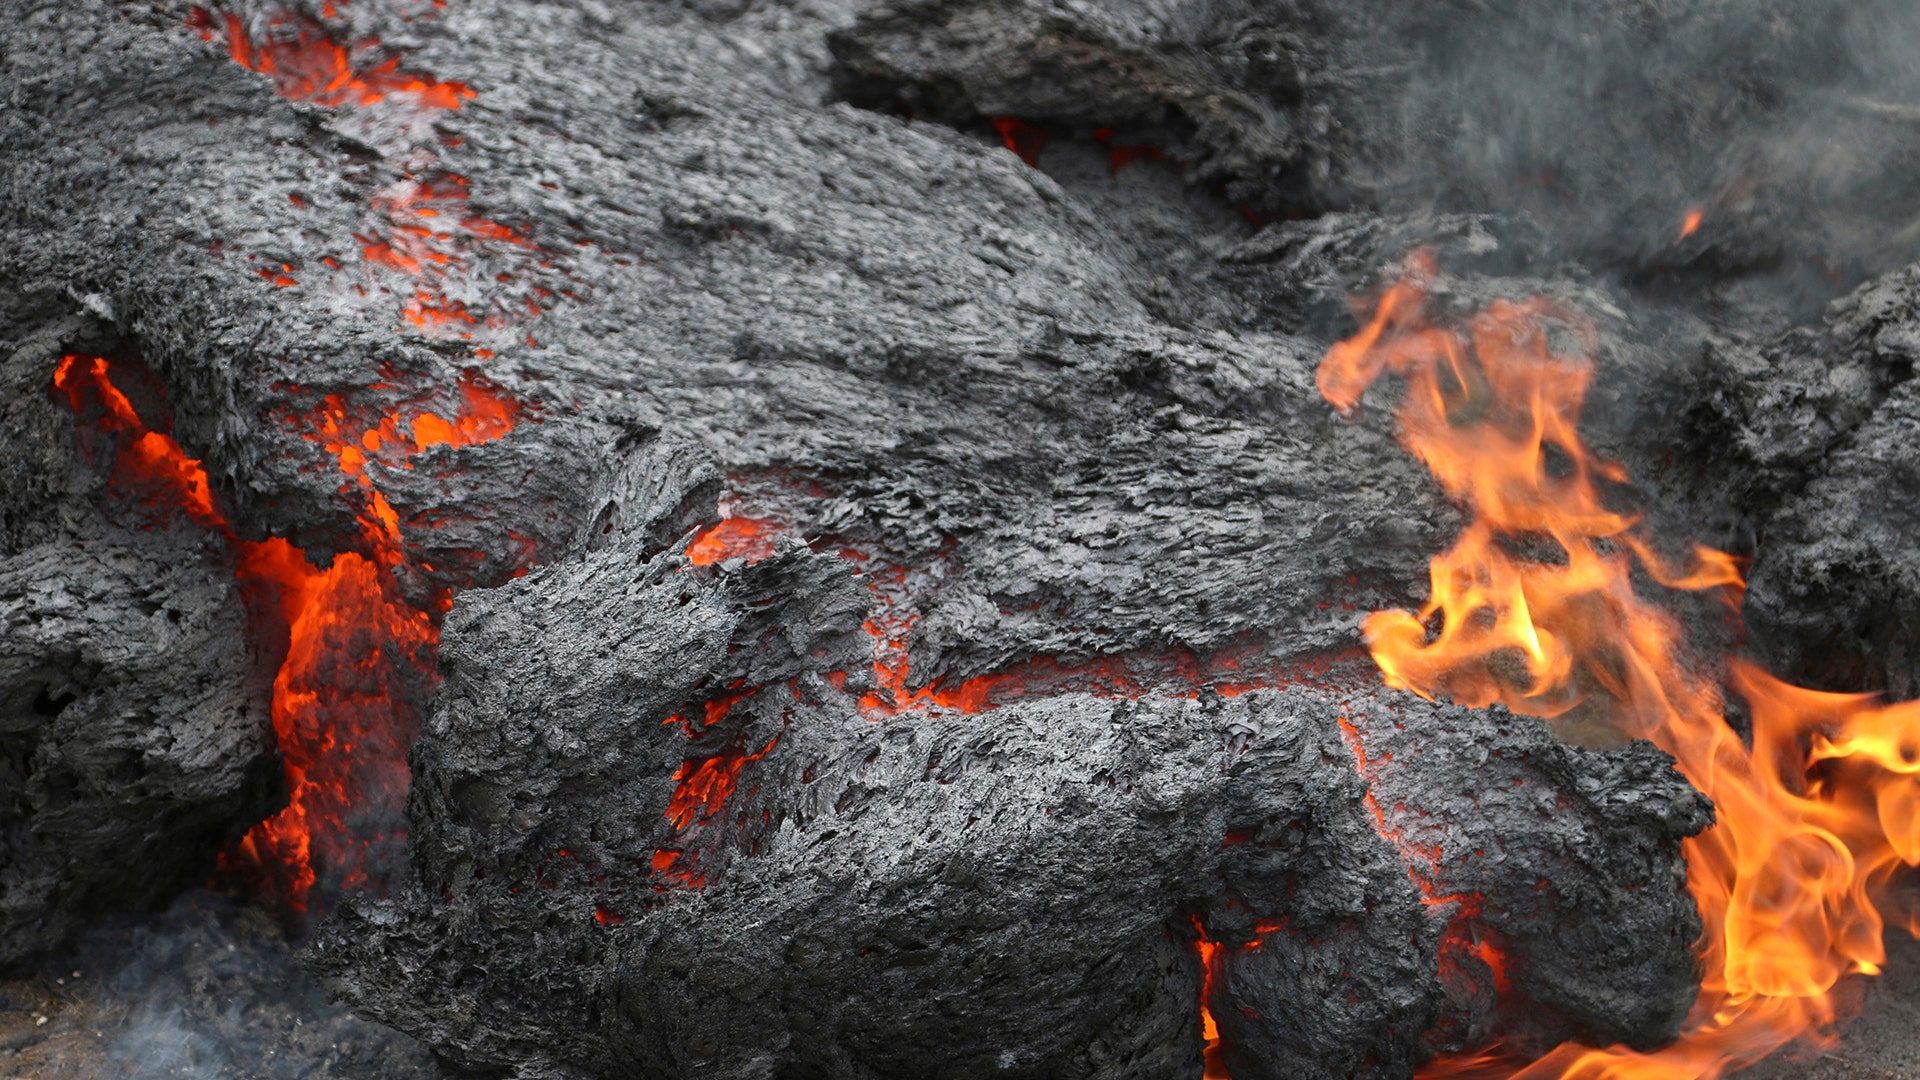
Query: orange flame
[1814, 819]
[1691, 223]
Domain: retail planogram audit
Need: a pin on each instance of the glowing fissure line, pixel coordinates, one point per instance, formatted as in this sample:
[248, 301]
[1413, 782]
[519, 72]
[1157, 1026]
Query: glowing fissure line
[355, 653]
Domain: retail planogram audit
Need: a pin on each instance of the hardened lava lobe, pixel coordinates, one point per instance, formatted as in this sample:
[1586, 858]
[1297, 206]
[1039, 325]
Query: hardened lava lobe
[1014, 891]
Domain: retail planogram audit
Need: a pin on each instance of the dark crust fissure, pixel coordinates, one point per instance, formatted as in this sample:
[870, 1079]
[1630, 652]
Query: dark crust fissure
[1075, 405]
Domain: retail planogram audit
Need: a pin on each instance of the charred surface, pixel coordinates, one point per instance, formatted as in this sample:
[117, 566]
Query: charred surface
[133, 724]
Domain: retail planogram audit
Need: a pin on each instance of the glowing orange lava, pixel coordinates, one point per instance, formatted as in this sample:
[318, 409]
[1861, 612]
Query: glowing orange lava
[1024, 139]
[149, 467]
[419, 228]
[306, 65]
[357, 658]
[1815, 818]
[1212, 966]
[745, 538]
[704, 783]
[344, 713]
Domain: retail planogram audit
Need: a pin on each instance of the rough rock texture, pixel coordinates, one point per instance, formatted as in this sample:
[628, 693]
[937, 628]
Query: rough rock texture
[1247, 95]
[1836, 589]
[1007, 892]
[1605, 120]
[135, 735]
[1060, 421]
[133, 723]
[1491, 809]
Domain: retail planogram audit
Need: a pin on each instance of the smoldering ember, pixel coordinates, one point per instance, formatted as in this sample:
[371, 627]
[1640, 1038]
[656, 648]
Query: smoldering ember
[885, 539]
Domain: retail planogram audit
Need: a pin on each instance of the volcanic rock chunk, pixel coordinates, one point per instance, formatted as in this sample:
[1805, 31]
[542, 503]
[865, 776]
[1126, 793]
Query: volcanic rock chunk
[653, 833]
[1836, 591]
[1558, 863]
[133, 734]
[1835, 436]
[1236, 90]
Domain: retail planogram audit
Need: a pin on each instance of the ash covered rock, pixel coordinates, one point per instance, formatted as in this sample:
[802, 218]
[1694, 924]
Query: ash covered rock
[134, 734]
[1246, 94]
[1836, 590]
[1812, 432]
[1605, 122]
[1008, 892]
[1769, 413]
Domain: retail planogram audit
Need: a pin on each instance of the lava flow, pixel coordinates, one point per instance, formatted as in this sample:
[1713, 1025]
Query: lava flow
[354, 659]
[704, 784]
[1816, 816]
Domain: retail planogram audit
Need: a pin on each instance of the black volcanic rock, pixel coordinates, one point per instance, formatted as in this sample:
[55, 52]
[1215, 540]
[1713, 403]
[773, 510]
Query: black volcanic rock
[1060, 422]
[1008, 892]
[134, 734]
[1812, 435]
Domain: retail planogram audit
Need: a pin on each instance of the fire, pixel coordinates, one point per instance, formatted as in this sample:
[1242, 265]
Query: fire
[1534, 607]
[1691, 223]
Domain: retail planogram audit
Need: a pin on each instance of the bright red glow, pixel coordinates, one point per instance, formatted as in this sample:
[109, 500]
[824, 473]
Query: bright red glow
[305, 65]
[485, 413]
[357, 658]
[1815, 818]
[1119, 157]
[1024, 139]
[343, 716]
[1228, 673]
[703, 786]
[745, 538]
[1212, 966]
[149, 468]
